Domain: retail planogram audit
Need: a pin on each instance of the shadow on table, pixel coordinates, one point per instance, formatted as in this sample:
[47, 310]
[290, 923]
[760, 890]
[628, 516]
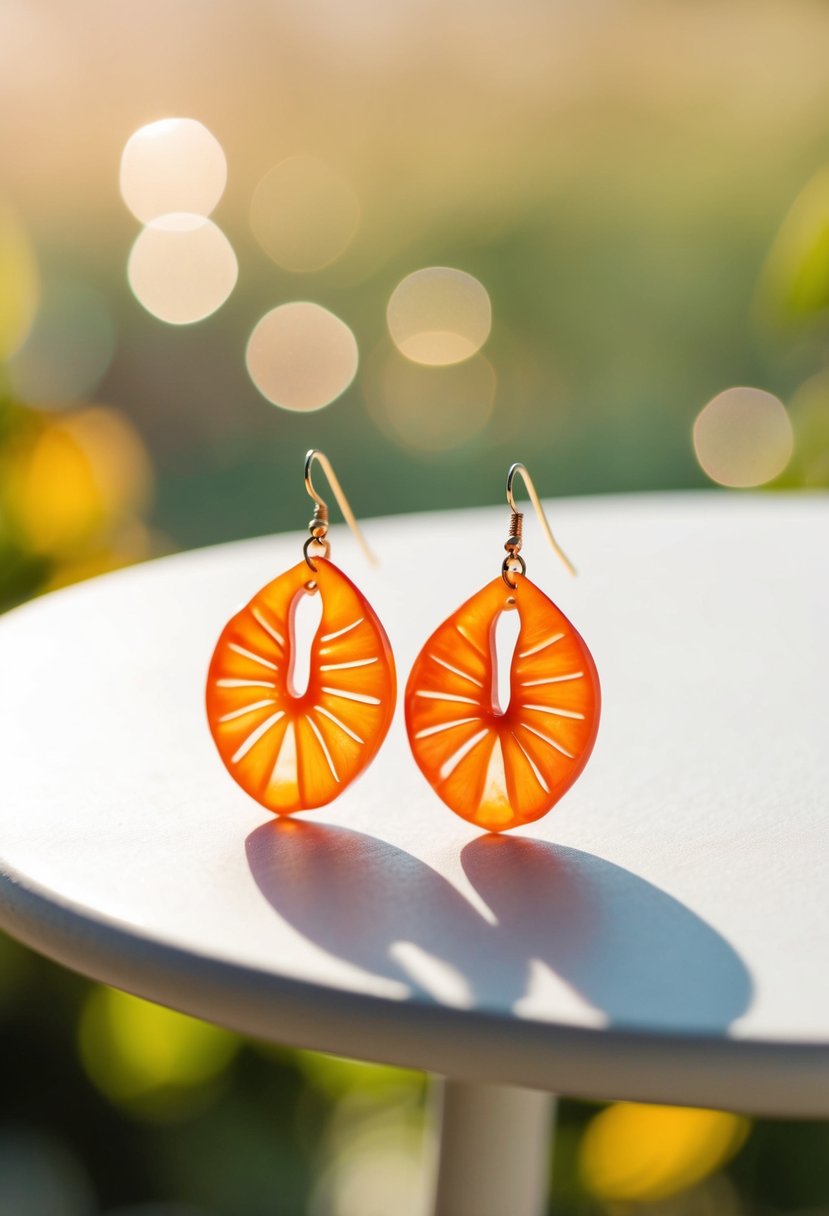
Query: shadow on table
[636, 954]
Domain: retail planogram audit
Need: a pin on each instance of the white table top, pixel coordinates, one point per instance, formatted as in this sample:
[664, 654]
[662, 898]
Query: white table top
[661, 935]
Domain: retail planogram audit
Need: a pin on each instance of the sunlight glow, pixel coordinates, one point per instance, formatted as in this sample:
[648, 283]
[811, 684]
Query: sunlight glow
[439, 315]
[172, 165]
[301, 357]
[429, 409]
[304, 214]
[743, 437]
[182, 268]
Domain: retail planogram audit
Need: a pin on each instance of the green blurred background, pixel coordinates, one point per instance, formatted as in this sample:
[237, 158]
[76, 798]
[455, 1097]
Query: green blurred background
[642, 191]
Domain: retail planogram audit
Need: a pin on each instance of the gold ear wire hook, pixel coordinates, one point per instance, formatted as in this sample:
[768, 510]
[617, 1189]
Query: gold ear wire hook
[515, 528]
[318, 526]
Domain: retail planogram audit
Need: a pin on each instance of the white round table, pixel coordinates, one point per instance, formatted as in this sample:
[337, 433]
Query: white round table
[662, 935]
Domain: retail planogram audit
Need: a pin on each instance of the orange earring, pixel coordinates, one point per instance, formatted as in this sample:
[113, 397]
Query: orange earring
[503, 768]
[295, 750]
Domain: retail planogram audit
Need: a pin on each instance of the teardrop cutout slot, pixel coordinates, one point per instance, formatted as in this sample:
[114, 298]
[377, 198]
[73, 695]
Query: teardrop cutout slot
[306, 614]
[301, 689]
[502, 707]
[503, 640]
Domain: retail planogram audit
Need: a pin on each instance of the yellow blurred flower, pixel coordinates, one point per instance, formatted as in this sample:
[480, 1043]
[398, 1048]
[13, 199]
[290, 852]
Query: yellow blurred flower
[631, 1152]
[795, 281]
[74, 479]
[151, 1060]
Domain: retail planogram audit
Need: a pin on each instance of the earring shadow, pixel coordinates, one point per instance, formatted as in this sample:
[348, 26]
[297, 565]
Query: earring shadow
[634, 953]
[364, 901]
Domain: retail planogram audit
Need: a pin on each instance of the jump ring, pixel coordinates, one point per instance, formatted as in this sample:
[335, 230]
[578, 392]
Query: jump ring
[512, 565]
[322, 543]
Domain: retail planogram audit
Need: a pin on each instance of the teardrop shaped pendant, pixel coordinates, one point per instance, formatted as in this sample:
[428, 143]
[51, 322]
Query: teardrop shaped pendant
[295, 753]
[500, 769]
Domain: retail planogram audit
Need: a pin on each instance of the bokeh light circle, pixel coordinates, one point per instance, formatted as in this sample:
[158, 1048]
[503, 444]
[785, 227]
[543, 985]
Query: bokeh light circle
[439, 315]
[175, 164]
[301, 356]
[304, 214]
[182, 268]
[429, 409]
[743, 437]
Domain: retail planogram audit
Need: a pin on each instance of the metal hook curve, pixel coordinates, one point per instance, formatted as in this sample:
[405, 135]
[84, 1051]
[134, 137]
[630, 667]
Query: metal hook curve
[515, 469]
[314, 454]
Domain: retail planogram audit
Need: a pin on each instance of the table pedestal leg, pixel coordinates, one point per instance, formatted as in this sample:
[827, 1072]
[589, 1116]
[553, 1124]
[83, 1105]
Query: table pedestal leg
[494, 1151]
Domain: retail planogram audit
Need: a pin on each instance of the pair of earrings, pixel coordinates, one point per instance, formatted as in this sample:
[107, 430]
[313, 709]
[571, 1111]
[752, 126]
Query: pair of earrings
[496, 768]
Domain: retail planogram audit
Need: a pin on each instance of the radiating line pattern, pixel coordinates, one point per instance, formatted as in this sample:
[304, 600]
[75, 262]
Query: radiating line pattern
[500, 769]
[296, 752]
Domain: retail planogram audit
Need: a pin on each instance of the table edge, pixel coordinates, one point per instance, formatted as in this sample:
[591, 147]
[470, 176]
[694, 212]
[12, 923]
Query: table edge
[749, 1075]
